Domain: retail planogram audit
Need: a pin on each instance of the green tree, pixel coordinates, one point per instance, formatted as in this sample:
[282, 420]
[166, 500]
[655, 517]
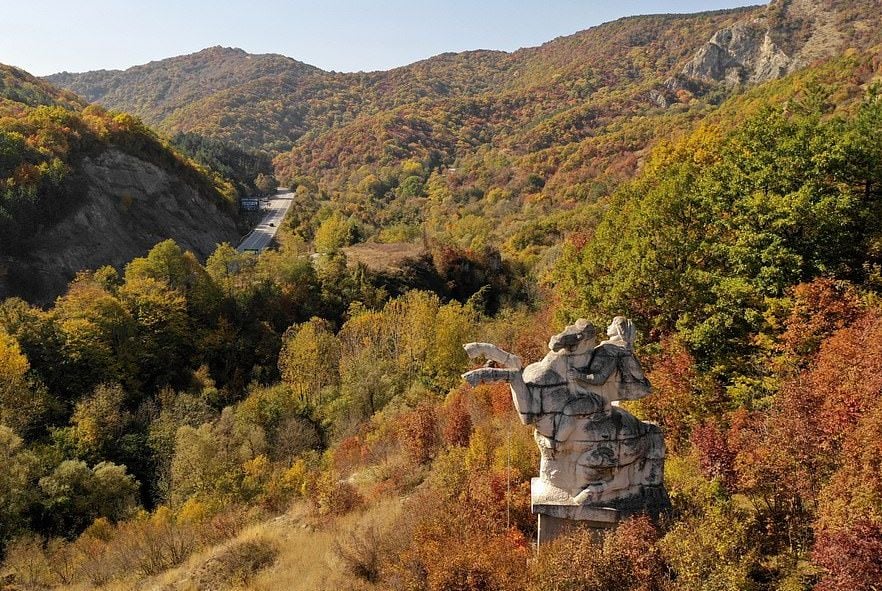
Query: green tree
[163, 336]
[211, 461]
[14, 388]
[310, 358]
[266, 184]
[97, 333]
[75, 495]
[99, 421]
[16, 487]
[718, 228]
[334, 233]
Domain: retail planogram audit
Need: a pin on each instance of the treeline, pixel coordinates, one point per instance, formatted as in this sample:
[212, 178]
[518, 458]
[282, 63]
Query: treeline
[243, 167]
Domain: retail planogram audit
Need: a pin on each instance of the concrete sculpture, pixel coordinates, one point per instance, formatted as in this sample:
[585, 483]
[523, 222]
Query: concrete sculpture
[598, 462]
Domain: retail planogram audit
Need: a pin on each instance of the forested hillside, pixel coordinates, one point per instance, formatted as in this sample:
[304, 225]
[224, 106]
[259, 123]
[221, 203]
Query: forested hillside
[81, 187]
[268, 413]
[486, 147]
[297, 419]
[269, 102]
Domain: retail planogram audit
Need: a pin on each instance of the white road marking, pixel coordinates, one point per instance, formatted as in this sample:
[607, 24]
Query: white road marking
[259, 238]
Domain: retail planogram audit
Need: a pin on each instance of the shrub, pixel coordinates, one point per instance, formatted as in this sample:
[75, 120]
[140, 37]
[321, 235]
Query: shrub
[711, 551]
[624, 559]
[419, 433]
[851, 558]
[235, 564]
[334, 496]
[28, 564]
[457, 421]
[362, 553]
[453, 548]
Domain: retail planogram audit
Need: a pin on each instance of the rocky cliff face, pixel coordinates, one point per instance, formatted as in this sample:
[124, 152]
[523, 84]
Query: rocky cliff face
[130, 206]
[741, 54]
[787, 36]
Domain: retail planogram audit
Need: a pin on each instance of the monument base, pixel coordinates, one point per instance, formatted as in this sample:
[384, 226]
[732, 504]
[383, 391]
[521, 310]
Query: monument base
[558, 514]
[550, 527]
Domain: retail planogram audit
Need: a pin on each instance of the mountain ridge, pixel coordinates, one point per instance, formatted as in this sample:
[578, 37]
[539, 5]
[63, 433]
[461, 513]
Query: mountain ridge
[464, 74]
[445, 141]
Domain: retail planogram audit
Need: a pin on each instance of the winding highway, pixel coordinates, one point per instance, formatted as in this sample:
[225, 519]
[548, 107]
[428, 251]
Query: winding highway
[261, 236]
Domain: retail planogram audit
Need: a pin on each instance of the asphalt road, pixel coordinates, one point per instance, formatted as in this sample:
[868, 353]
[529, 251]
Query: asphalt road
[261, 236]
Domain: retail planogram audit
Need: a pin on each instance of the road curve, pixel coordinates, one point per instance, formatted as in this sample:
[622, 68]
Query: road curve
[261, 236]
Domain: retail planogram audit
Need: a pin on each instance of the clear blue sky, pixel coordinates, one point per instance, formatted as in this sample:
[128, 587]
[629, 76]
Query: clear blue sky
[47, 36]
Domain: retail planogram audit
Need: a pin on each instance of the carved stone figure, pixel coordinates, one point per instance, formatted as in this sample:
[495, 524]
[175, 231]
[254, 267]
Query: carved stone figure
[598, 461]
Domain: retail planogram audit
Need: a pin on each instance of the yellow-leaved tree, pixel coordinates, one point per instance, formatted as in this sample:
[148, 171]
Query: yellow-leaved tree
[13, 369]
[310, 358]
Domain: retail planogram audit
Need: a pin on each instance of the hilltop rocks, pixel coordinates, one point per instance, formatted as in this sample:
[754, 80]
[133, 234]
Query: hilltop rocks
[741, 54]
[786, 36]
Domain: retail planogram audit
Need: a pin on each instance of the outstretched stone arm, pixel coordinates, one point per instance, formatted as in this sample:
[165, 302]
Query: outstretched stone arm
[525, 403]
[493, 353]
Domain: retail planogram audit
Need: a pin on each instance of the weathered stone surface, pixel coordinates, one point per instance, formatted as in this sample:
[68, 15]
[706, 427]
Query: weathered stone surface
[762, 47]
[597, 460]
[131, 205]
[742, 53]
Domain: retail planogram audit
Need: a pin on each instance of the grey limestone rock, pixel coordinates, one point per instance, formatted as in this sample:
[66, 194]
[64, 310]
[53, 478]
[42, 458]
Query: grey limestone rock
[741, 54]
[131, 205]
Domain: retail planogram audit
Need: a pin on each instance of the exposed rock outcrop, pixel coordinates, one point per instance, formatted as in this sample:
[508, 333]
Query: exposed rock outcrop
[742, 53]
[130, 206]
[787, 36]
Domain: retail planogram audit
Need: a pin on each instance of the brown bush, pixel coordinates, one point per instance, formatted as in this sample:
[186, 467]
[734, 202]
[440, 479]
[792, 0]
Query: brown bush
[453, 547]
[457, 421]
[419, 433]
[819, 308]
[335, 496]
[235, 564]
[363, 553]
[146, 545]
[851, 558]
[27, 564]
[624, 559]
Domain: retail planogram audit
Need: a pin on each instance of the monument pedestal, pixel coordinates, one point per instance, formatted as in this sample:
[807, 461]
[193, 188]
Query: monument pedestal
[558, 514]
[550, 527]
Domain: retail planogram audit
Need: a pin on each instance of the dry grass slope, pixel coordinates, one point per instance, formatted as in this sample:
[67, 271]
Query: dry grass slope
[297, 551]
[384, 257]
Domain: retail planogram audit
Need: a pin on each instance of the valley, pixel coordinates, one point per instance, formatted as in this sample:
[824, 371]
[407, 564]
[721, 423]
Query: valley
[198, 396]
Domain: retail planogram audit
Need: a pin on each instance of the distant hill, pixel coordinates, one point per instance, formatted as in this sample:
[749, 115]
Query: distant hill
[269, 101]
[486, 143]
[81, 188]
[17, 86]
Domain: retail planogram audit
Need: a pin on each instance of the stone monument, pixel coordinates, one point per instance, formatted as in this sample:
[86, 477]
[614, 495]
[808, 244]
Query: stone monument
[598, 462]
